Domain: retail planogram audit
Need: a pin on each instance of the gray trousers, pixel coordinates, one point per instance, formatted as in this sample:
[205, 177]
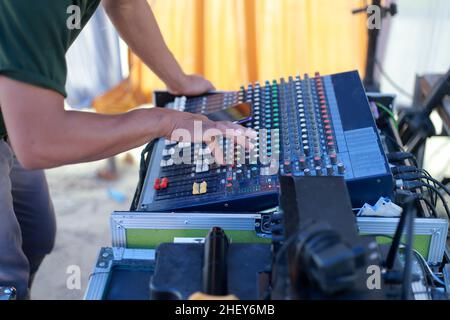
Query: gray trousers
[27, 222]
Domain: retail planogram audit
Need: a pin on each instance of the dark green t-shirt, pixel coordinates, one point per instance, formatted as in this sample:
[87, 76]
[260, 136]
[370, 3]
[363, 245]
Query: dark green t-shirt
[34, 38]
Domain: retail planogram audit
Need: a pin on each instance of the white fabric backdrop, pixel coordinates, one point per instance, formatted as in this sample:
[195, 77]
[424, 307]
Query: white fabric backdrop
[417, 41]
[94, 62]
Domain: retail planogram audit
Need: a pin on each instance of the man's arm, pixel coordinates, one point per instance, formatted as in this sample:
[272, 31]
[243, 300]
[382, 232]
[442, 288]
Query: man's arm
[137, 25]
[44, 135]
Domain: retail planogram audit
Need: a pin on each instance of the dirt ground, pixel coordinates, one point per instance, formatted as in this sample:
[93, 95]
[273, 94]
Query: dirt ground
[83, 204]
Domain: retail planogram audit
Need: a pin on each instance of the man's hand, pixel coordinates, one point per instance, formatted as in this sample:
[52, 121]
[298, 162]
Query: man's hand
[137, 25]
[190, 85]
[195, 128]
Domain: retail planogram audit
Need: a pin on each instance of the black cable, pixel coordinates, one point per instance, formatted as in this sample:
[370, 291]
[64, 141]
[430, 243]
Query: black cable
[425, 171]
[430, 206]
[442, 199]
[392, 254]
[435, 183]
[403, 169]
[407, 218]
[409, 173]
[415, 185]
[441, 185]
[400, 148]
[400, 170]
[412, 176]
[401, 157]
[407, 273]
[434, 199]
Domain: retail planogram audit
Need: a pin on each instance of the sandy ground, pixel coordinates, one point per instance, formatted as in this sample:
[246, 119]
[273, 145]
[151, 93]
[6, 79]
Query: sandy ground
[83, 205]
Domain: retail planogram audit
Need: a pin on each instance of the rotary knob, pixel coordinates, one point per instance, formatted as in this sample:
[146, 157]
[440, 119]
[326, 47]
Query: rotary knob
[319, 172]
[330, 170]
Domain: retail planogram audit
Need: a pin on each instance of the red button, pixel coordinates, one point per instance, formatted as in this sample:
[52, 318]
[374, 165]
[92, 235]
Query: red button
[157, 184]
[164, 183]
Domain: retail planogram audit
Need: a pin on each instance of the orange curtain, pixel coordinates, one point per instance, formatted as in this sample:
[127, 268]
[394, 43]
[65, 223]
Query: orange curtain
[234, 42]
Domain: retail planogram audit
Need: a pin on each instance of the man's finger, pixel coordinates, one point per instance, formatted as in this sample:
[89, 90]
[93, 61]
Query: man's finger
[210, 86]
[240, 130]
[216, 150]
[237, 134]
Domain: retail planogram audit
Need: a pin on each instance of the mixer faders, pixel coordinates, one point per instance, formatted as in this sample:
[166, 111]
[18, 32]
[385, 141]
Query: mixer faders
[312, 126]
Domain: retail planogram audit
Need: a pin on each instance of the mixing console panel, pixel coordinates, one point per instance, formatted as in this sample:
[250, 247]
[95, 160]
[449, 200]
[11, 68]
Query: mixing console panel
[314, 126]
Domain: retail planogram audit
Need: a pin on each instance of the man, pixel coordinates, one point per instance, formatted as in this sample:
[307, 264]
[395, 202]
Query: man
[37, 133]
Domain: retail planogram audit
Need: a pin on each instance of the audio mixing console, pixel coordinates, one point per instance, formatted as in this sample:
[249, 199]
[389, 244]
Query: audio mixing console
[315, 126]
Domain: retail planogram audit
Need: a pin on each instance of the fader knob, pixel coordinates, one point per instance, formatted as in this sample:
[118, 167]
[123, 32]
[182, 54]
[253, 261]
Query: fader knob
[341, 168]
[302, 163]
[319, 171]
[254, 172]
[317, 160]
[333, 159]
[306, 150]
[287, 167]
[330, 170]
